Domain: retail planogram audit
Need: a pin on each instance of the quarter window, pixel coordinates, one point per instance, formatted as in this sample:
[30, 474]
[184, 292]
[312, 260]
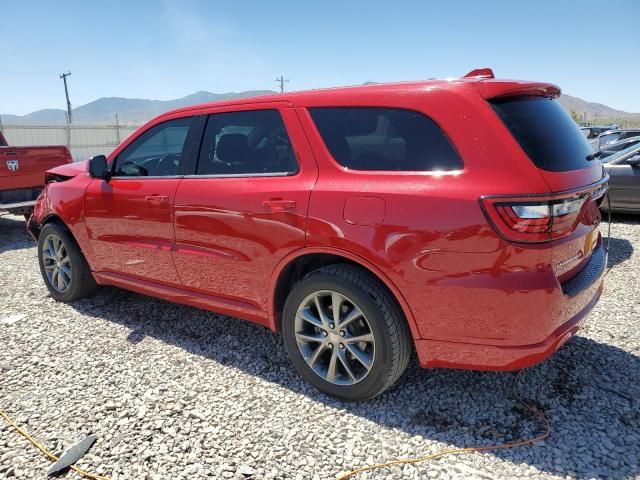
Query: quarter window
[246, 143]
[155, 153]
[392, 139]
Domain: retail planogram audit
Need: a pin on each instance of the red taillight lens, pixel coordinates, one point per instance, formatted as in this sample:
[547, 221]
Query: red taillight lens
[533, 221]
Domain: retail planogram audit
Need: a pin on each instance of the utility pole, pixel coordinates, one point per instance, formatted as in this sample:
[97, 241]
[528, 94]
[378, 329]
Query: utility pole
[281, 80]
[64, 76]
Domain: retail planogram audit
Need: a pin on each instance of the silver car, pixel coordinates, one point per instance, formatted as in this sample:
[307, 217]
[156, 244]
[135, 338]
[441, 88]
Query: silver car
[623, 168]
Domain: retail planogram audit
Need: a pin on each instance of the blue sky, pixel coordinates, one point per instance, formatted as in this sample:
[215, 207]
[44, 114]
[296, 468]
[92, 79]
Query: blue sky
[169, 49]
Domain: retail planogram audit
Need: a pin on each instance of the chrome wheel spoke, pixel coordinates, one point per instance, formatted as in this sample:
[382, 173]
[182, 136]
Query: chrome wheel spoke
[321, 313]
[342, 356]
[309, 317]
[313, 359]
[336, 305]
[60, 281]
[354, 314]
[362, 357]
[310, 337]
[367, 338]
[332, 368]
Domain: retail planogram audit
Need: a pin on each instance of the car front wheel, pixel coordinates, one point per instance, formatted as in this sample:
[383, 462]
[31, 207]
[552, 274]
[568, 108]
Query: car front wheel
[344, 333]
[64, 269]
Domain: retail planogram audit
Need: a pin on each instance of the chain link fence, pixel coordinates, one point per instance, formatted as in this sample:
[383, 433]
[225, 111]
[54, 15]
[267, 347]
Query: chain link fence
[84, 141]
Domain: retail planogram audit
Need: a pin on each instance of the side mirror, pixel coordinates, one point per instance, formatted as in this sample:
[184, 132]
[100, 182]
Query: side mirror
[634, 161]
[98, 167]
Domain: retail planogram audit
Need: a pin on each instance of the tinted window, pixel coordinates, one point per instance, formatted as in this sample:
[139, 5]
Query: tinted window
[384, 139]
[157, 152]
[251, 142]
[546, 132]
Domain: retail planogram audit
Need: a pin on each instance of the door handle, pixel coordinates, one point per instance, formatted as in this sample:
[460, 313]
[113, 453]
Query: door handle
[278, 205]
[157, 199]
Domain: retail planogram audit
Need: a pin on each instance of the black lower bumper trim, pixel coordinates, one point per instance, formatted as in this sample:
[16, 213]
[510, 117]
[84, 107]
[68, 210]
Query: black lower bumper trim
[588, 275]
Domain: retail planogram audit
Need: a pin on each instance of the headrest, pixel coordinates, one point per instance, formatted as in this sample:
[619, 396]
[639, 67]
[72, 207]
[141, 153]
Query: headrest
[232, 148]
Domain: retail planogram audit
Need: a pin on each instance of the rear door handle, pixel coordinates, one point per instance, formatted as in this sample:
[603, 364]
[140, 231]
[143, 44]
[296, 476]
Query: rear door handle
[279, 205]
[157, 199]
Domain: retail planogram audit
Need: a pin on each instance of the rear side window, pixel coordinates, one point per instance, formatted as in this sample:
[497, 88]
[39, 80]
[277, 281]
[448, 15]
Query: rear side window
[546, 132]
[391, 139]
[246, 143]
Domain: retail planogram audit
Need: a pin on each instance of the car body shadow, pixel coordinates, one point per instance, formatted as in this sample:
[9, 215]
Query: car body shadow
[620, 250]
[464, 408]
[13, 233]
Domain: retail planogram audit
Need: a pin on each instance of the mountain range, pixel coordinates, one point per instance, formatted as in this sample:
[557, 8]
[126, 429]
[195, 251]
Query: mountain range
[137, 110]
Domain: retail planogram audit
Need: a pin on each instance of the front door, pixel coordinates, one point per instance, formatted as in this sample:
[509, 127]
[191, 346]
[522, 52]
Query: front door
[130, 217]
[245, 206]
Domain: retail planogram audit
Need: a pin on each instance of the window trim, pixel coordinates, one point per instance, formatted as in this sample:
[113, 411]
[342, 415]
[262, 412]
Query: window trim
[437, 173]
[200, 145]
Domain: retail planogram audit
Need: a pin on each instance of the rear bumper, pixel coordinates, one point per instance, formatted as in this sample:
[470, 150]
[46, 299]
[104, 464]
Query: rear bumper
[434, 353]
[19, 201]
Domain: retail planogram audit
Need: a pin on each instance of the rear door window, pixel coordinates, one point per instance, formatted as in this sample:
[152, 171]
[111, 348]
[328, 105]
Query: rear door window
[246, 143]
[546, 132]
[387, 139]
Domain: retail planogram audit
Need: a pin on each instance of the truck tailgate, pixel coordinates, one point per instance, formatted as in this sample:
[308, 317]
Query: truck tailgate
[24, 167]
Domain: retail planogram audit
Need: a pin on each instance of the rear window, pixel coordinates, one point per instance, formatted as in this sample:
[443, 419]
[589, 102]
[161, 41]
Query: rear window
[387, 139]
[546, 132]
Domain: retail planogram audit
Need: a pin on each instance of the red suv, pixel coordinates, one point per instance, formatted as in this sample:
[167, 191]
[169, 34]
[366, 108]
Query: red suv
[455, 217]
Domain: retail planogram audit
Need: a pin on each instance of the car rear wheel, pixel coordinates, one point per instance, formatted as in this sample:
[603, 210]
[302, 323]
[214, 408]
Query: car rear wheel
[344, 333]
[63, 267]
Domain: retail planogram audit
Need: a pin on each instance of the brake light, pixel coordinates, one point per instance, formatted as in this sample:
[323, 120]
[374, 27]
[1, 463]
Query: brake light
[534, 220]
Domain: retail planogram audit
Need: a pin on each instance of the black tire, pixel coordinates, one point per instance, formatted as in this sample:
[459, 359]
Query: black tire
[393, 344]
[81, 284]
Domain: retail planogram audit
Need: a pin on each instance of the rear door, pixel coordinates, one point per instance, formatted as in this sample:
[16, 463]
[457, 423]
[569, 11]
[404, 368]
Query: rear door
[130, 217]
[244, 206]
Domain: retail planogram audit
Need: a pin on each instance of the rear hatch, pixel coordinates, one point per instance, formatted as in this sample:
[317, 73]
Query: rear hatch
[569, 216]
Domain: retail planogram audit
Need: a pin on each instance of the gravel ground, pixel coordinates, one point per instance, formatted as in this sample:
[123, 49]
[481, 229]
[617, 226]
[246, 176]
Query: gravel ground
[174, 392]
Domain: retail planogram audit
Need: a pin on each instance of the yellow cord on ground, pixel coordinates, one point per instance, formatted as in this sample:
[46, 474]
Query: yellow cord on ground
[45, 451]
[454, 451]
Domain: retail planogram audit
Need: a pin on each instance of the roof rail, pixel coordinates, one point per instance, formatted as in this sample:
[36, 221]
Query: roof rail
[480, 73]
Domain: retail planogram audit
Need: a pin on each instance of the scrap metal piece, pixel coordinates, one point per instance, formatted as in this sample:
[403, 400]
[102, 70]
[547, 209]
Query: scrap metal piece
[72, 455]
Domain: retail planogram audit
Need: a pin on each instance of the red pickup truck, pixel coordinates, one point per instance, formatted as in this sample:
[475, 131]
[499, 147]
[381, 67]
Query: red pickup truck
[22, 171]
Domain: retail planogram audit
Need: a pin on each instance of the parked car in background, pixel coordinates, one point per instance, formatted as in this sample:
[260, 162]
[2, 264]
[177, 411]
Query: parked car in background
[457, 218]
[594, 131]
[624, 183]
[613, 136]
[22, 174]
[612, 148]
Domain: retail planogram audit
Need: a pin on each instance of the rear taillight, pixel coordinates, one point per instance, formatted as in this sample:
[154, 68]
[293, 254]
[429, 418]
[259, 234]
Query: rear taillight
[534, 220]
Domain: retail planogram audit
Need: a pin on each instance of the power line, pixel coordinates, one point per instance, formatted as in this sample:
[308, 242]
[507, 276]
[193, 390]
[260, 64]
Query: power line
[281, 80]
[64, 76]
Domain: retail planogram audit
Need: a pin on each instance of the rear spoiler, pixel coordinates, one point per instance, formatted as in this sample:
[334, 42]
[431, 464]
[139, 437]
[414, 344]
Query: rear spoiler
[515, 88]
[489, 87]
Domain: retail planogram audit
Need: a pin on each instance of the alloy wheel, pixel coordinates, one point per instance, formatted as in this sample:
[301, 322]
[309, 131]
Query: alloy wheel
[334, 337]
[57, 263]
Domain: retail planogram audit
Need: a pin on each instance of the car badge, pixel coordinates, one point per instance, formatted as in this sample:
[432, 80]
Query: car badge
[13, 165]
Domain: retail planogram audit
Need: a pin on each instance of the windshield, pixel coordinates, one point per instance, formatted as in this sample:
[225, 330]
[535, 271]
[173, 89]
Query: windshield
[546, 132]
[607, 138]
